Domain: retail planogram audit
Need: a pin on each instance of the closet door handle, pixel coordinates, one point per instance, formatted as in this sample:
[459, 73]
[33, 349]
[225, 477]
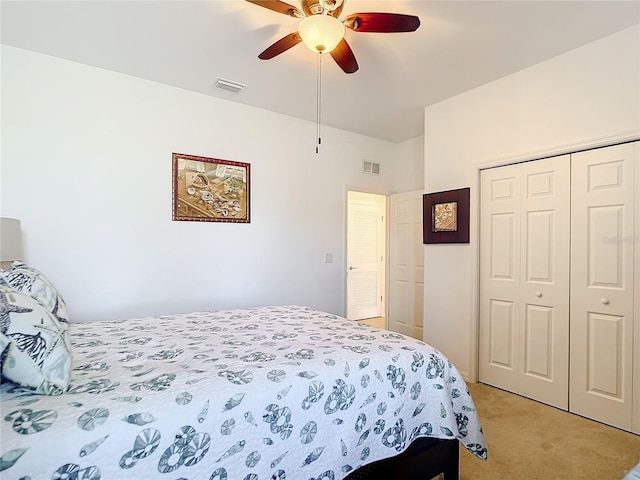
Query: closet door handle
[538, 294]
[605, 301]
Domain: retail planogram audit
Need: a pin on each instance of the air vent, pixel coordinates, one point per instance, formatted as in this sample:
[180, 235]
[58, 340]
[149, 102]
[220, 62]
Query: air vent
[370, 168]
[229, 85]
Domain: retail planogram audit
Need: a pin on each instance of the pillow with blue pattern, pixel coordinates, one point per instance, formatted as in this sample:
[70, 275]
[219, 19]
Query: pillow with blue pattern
[26, 279]
[36, 345]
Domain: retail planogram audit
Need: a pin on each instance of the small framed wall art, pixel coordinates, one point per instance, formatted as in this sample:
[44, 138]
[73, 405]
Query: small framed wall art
[210, 189]
[446, 216]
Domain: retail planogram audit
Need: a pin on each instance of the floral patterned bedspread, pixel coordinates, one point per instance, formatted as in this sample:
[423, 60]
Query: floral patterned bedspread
[256, 394]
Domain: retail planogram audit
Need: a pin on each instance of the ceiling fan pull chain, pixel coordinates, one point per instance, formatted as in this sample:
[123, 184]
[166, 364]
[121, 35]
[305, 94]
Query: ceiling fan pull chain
[318, 101]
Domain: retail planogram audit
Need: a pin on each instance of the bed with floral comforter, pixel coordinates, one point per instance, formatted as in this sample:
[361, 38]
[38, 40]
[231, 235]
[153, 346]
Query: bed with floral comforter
[254, 394]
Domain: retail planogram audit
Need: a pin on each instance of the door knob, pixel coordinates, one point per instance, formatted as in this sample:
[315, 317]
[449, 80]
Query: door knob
[353, 268]
[605, 301]
[538, 294]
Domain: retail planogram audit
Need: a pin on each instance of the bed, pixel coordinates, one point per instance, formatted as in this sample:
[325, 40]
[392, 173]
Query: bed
[280, 392]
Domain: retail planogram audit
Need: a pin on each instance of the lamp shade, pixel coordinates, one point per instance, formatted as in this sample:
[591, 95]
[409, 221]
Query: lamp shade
[10, 240]
[321, 33]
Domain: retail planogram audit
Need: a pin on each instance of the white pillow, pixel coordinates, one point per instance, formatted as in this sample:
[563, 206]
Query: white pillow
[38, 347]
[27, 279]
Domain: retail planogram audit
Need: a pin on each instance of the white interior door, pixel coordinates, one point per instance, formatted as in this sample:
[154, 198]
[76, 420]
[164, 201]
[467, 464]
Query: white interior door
[406, 264]
[365, 255]
[524, 279]
[602, 294]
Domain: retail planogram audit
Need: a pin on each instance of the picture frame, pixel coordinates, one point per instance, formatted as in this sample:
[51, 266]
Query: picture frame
[210, 189]
[446, 216]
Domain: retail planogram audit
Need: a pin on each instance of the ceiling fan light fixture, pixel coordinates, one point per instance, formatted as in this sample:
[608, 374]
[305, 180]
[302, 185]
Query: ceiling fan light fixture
[321, 33]
[331, 5]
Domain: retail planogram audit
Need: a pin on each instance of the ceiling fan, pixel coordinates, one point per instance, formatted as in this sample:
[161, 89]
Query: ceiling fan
[322, 30]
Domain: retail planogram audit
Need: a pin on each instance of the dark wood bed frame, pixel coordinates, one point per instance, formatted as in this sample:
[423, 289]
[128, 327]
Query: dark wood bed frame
[425, 459]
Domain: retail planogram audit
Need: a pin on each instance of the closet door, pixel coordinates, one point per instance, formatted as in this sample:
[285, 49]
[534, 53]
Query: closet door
[524, 279]
[602, 290]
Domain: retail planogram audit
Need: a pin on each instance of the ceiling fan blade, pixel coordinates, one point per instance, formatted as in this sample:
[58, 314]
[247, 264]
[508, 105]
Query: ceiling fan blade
[282, 45]
[382, 22]
[344, 57]
[280, 7]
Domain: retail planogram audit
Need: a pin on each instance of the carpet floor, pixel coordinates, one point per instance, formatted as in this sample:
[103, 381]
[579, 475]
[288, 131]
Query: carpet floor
[530, 440]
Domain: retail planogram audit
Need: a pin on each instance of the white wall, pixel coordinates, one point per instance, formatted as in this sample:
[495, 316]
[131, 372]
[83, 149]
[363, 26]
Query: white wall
[86, 166]
[410, 160]
[587, 97]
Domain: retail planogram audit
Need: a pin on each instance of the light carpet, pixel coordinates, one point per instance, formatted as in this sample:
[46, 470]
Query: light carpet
[530, 440]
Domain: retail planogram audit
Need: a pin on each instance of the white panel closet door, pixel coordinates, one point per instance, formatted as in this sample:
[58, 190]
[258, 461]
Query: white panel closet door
[524, 279]
[602, 296]
[500, 277]
[406, 269]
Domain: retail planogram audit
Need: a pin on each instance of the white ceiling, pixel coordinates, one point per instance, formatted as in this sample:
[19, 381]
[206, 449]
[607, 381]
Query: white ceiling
[459, 45]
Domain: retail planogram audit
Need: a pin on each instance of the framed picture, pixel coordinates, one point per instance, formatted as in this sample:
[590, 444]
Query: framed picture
[210, 189]
[446, 216]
